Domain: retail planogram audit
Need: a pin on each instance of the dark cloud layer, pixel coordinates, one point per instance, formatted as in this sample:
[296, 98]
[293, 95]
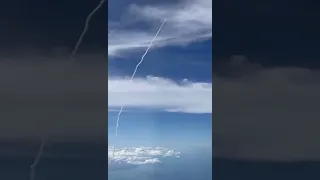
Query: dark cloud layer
[53, 97]
[266, 113]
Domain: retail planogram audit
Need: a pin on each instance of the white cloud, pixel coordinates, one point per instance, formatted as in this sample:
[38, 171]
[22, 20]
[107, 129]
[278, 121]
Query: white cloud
[189, 21]
[160, 93]
[140, 155]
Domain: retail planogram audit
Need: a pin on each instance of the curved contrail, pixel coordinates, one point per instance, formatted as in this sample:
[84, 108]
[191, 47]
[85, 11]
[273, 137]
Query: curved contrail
[36, 160]
[134, 72]
[85, 29]
[137, 66]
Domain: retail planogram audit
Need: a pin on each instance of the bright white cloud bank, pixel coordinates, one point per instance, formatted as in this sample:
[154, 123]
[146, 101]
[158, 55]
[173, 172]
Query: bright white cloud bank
[140, 155]
[189, 21]
[160, 93]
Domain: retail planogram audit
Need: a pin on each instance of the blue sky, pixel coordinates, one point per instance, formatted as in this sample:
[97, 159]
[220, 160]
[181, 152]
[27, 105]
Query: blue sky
[168, 103]
[156, 127]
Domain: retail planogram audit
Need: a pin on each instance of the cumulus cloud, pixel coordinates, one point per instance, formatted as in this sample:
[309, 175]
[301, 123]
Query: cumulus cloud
[188, 21]
[140, 155]
[266, 113]
[160, 93]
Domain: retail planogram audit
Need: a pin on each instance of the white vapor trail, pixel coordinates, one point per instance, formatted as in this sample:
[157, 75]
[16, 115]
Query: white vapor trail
[137, 66]
[85, 29]
[132, 76]
[36, 160]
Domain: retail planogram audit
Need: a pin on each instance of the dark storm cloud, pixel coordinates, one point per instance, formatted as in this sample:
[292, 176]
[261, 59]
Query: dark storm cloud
[53, 97]
[262, 113]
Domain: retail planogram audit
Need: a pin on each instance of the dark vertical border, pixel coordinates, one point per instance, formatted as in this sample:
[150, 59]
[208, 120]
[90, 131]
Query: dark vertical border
[107, 68]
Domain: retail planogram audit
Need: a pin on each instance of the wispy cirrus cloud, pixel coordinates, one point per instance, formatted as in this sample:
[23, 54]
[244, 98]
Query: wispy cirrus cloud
[188, 21]
[160, 93]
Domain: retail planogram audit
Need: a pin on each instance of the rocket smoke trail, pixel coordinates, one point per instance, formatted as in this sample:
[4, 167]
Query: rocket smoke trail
[132, 76]
[137, 66]
[85, 29]
[36, 161]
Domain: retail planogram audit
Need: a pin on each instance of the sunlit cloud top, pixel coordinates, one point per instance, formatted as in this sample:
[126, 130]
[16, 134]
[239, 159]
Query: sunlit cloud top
[160, 93]
[140, 155]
